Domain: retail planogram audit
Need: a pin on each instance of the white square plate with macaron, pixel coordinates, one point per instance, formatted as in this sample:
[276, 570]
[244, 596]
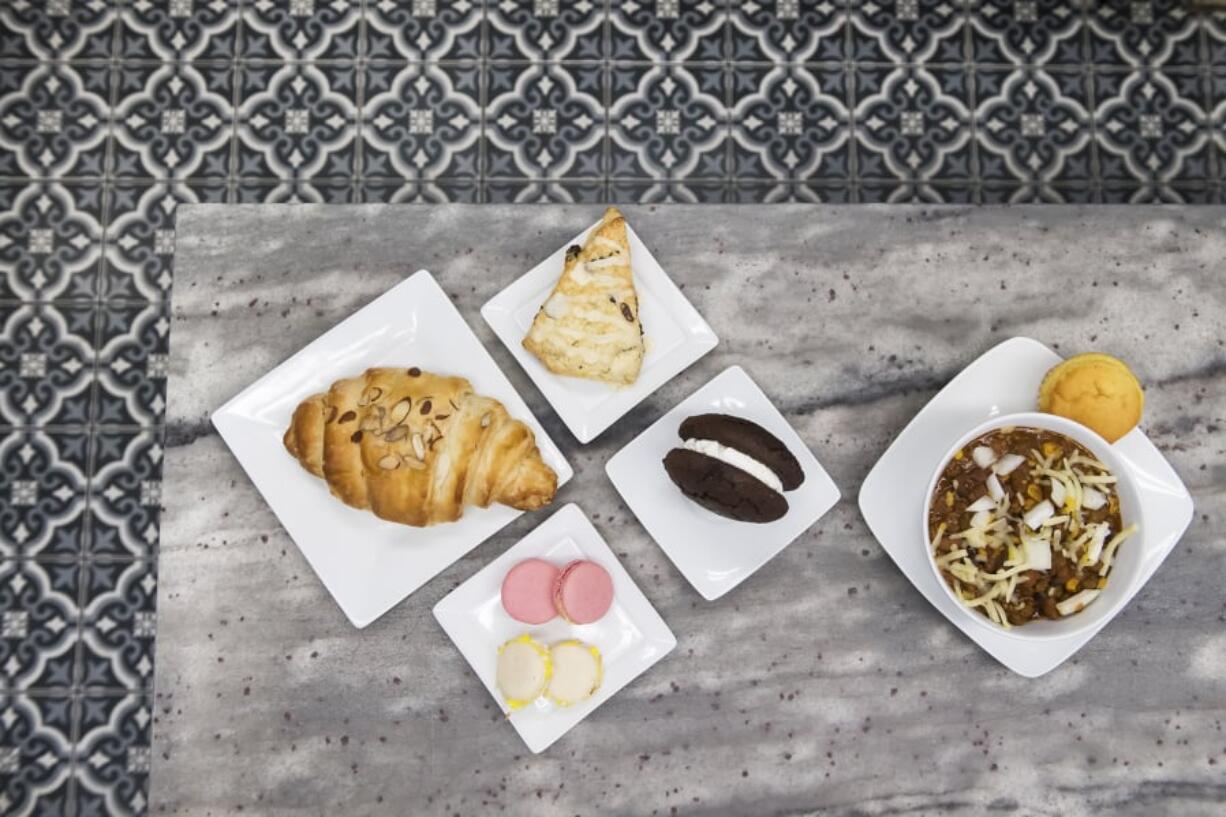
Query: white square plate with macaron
[1004, 380]
[715, 553]
[675, 333]
[631, 637]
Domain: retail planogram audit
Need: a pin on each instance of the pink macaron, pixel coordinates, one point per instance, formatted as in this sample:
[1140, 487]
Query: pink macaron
[527, 591]
[583, 592]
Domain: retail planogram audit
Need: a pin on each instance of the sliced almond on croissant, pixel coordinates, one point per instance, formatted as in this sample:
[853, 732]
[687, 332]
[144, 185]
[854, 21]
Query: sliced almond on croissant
[485, 456]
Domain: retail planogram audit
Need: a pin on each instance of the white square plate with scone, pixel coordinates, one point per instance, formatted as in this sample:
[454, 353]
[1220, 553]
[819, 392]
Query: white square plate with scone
[631, 636]
[713, 552]
[675, 336]
[1005, 380]
[366, 563]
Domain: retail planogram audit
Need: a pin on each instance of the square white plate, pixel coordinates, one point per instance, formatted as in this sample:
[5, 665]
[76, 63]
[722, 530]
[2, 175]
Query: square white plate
[1003, 380]
[715, 553]
[367, 564]
[676, 337]
[631, 637]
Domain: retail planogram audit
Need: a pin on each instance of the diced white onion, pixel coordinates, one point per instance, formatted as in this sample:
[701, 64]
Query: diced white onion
[1008, 464]
[1039, 514]
[981, 520]
[1077, 602]
[1057, 492]
[1092, 499]
[983, 456]
[983, 503]
[1038, 553]
[995, 489]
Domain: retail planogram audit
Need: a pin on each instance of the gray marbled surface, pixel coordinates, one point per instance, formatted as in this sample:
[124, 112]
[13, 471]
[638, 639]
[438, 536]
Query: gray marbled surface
[825, 683]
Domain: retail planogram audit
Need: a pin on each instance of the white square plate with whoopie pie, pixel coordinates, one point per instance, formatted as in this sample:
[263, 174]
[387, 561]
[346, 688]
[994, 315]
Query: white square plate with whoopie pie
[1005, 380]
[369, 564]
[675, 333]
[631, 636]
[713, 552]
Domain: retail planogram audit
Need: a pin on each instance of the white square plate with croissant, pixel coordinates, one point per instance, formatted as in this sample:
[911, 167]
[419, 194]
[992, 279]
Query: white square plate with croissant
[391, 446]
[599, 326]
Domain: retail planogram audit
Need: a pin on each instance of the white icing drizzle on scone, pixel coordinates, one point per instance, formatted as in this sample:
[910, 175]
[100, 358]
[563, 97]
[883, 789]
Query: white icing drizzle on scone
[737, 459]
[590, 326]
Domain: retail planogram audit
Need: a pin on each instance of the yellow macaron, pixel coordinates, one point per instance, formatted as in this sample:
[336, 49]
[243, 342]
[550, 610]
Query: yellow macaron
[577, 672]
[1096, 390]
[524, 669]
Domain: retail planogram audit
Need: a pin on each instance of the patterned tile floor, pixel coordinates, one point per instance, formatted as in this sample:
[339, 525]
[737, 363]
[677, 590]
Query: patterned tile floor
[112, 112]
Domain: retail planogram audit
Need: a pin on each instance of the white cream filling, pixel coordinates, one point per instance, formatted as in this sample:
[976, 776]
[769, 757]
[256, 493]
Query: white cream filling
[736, 459]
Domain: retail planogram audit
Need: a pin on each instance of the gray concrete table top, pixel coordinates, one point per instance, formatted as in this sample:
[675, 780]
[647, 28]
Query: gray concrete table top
[825, 683]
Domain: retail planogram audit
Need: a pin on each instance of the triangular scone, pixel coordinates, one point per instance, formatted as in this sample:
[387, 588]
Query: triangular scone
[589, 326]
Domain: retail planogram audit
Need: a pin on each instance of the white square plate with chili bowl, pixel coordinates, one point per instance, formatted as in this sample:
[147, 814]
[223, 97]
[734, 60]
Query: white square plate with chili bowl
[366, 563]
[676, 336]
[713, 552]
[631, 636]
[1003, 381]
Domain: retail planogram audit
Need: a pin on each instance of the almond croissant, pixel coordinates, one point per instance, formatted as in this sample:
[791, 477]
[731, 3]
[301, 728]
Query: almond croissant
[416, 447]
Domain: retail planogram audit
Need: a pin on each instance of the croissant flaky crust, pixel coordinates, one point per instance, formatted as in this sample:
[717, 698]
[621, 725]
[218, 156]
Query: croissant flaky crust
[415, 447]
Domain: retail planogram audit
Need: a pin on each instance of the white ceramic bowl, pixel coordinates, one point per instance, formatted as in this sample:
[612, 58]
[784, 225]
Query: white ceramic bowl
[1125, 568]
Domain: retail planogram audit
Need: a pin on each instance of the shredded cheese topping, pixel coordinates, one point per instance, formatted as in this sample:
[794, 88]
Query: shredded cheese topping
[1054, 522]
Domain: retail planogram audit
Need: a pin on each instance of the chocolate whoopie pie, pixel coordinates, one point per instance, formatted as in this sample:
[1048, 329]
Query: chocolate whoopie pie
[733, 467]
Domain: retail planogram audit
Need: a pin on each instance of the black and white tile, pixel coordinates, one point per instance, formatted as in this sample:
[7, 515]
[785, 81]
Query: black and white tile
[424, 30]
[300, 29]
[421, 121]
[669, 121]
[1035, 124]
[540, 30]
[36, 756]
[296, 120]
[115, 112]
[55, 117]
[178, 30]
[545, 120]
[667, 31]
[914, 123]
[173, 121]
[791, 122]
[50, 239]
[1152, 127]
[58, 29]
[48, 352]
[1020, 32]
[39, 625]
